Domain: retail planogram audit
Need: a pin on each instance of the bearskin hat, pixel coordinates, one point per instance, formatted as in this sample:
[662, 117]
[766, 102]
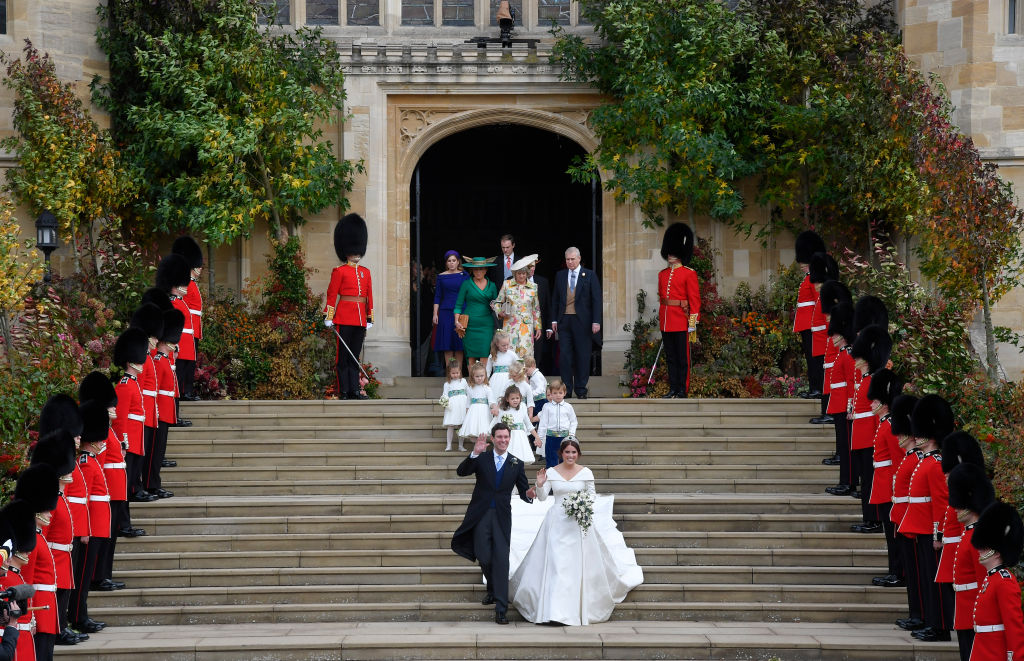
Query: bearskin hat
[999, 528]
[57, 450]
[97, 387]
[885, 386]
[173, 271]
[932, 418]
[19, 516]
[97, 422]
[970, 489]
[899, 415]
[38, 485]
[187, 247]
[870, 311]
[960, 448]
[678, 242]
[841, 321]
[149, 318]
[174, 324]
[350, 236]
[60, 412]
[832, 294]
[132, 346]
[808, 243]
[157, 297]
[823, 268]
[873, 345]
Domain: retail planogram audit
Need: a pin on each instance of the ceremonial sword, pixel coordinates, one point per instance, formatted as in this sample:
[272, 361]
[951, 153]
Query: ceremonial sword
[345, 344]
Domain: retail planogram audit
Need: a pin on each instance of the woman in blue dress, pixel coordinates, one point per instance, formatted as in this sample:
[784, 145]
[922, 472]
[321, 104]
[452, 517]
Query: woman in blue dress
[445, 293]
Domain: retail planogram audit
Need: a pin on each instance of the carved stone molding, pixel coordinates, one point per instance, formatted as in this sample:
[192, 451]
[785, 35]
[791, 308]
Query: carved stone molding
[412, 122]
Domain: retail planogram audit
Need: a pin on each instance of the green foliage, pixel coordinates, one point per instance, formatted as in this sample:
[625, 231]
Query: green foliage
[223, 119]
[120, 271]
[20, 268]
[287, 287]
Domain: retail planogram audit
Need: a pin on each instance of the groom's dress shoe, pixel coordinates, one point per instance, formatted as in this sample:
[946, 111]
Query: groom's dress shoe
[499, 618]
[488, 599]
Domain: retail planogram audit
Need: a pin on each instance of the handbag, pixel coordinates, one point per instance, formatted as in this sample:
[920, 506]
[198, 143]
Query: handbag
[463, 320]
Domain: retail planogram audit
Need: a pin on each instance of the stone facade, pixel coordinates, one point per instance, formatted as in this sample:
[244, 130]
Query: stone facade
[411, 85]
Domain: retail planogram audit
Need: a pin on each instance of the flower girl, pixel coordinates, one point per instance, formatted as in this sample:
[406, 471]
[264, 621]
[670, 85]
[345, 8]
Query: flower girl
[517, 375]
[455, 401]
[501, 359]
[482, 404]
[512, 411]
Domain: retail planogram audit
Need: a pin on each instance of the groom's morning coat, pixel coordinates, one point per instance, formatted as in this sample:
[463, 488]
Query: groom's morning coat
[513, 474]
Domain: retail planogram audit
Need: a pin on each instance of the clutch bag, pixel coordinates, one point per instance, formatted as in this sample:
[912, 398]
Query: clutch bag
[463, 320]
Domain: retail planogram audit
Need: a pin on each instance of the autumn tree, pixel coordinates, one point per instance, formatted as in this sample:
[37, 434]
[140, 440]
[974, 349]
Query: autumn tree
[20, 269]
[223, 118]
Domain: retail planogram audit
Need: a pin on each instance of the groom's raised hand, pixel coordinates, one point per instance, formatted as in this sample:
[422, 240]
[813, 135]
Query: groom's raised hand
[481, 444]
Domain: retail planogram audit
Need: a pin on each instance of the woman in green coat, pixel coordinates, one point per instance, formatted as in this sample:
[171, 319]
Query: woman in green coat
[474, 299]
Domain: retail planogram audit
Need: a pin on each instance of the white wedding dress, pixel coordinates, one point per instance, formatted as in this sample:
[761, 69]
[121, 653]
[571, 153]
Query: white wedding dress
[558, 574]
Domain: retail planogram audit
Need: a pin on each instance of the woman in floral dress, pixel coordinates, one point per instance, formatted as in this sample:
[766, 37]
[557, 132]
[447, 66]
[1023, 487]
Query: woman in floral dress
[518, 308]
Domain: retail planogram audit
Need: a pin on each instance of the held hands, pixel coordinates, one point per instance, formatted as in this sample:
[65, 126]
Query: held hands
[531, 493]
[481, 444]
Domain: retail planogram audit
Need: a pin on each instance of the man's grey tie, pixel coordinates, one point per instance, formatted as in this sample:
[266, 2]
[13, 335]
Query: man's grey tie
[572, 284]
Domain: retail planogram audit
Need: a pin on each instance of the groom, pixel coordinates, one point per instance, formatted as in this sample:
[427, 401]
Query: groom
[486, 531]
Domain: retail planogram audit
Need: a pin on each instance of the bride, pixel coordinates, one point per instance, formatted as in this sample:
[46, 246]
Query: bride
[567, 576]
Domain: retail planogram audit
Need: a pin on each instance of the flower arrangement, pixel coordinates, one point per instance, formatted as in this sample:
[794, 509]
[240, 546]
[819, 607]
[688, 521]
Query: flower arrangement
[580, 507]
[508, 419]
[443, 402]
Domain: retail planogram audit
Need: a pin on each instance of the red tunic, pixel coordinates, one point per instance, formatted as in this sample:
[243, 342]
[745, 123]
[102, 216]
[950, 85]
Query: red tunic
[831, 354]
[350, 281]
[166, 388]
[40, 571]
[194, 301]
[901, 485]
[842, 384]
[887, 448]
[862, 431]
[819, 329]
[114, 468]
[99, 496]
[678, 284]
[130, 414]
[59, 535]
[77, 493]
[929, 497]
[998, 605]
[187, 345]
[968, 575]
[26, 648]
[147, 381]
[804, 306]
[952, 534]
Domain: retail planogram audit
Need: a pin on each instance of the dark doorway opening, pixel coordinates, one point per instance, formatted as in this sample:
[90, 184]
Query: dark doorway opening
[472, 187]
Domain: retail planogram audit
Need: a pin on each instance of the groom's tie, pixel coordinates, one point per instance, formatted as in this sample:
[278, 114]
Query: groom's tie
[499, 465]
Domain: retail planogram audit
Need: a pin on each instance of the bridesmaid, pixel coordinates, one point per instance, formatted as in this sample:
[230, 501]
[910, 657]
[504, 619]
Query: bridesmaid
[445, 294]
[474, 299]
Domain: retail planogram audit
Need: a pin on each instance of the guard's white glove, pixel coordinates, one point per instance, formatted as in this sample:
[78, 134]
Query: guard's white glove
[369, 325]
[328, 323]
[692, 329]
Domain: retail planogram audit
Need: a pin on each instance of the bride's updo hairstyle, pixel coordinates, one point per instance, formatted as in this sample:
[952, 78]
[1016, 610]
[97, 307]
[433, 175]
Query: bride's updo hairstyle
[571, 440]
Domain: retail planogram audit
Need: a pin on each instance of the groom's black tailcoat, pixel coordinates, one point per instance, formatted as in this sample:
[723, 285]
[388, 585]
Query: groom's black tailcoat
[486, 491]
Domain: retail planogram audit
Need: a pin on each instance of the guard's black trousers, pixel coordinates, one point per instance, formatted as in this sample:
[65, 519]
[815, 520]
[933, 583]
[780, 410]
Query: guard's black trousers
[677, 358]
[348, 369]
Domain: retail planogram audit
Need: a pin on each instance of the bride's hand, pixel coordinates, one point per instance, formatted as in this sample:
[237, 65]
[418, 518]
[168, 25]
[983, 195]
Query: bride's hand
[542, 477]
[531, 493]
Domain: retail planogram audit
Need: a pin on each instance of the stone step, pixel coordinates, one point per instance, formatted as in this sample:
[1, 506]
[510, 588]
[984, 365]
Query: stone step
[620, 639]
[429, 386]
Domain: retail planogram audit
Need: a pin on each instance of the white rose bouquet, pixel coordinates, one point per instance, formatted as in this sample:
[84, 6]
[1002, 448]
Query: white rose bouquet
[443, 402]
[580, 506]
[508, 419]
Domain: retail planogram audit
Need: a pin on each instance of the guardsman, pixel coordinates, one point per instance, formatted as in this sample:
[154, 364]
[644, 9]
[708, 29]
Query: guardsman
[172, 277]
[807, 243]
[57, 450]
[21, 518]
[679, 306]
[884, 388]
[187, 247]
[998, 622]
[167, 386]
[870, 353]
[130, 352]
[822, 269]
[163, 301]
[150, 319]
[37, 485]
[349, 302]
[840, 329]
[970, 493]
[94, 436]
[833, 293]
[899, 421]
[931, 421]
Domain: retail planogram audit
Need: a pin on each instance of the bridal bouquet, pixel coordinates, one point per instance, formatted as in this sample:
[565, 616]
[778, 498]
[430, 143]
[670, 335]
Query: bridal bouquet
[443, 402]
[508, 419]
[580, 506]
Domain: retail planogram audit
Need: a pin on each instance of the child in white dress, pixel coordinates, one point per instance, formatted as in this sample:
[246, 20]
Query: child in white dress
[454, 392]
[512, 411]
[517, 375]
[482, 404]
[500, 360]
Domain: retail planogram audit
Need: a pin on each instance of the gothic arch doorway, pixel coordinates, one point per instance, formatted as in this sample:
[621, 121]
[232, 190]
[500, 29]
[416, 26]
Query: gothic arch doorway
[470, 188]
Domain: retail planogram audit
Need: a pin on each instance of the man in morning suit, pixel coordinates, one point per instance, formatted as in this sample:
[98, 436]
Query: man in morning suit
[486, 530]
[576, 318]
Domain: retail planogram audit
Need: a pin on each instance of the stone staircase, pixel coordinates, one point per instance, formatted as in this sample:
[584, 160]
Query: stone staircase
[309, 530]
